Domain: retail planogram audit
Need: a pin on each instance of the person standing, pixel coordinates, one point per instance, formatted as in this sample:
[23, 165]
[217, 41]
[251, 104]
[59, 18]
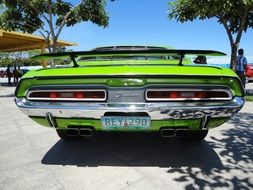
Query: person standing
[8, 73]
[19, 73]
[15, 74]
[241, 63]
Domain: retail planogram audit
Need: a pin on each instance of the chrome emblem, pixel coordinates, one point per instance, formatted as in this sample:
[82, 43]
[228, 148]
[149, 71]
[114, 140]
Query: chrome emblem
[121, 94]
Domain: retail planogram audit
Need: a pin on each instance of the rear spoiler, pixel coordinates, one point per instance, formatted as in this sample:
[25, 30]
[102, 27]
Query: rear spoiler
[147, 52]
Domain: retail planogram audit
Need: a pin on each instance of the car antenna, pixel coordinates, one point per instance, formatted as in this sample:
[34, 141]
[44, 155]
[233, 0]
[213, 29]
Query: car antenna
[181, 59]
[72, 57]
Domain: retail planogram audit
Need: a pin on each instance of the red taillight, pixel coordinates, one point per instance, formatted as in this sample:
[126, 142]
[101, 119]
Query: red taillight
[172, 95]
[68, 95]
[53, 95]
[79, 95]
[186, 94]
[163, 95]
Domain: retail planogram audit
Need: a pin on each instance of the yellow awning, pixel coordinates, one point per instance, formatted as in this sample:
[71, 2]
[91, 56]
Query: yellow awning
[17, 41]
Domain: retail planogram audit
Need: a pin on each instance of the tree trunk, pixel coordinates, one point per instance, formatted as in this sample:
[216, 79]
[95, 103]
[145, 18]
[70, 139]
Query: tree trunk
[54, 45]
[234, 48]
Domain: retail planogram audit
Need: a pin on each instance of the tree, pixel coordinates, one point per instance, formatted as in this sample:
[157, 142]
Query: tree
[49, 17]
[235, 15]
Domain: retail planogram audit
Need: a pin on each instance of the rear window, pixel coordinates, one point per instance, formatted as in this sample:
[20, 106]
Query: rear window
[116, 58]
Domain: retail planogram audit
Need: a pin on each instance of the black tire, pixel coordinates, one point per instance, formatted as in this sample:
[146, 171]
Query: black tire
[197, 135]
[63, 134]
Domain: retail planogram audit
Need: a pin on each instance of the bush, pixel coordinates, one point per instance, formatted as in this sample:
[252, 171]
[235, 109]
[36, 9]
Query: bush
[28, 62]
[21, 62]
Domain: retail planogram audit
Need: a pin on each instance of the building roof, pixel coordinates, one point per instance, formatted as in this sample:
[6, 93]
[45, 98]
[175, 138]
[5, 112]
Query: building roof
[17, 41]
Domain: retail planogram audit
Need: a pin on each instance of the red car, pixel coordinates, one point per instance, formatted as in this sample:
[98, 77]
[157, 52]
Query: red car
[249, 71]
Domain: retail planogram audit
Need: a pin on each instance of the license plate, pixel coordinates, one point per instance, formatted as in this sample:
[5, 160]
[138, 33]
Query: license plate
[124, 122]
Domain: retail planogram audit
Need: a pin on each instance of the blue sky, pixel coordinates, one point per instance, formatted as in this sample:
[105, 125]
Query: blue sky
[135, 22]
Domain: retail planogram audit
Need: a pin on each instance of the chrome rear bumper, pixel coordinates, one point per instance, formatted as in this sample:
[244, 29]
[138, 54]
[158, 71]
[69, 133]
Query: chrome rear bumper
[157, 111]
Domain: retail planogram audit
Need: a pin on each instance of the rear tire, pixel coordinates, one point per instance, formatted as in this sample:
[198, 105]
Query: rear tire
[63, 134]
[197, 135]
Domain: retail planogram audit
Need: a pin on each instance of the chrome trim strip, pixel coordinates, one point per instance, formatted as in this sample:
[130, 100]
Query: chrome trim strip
[105, 89]
[148, 86]
[29, 92]
[157, 111]
[228, 92]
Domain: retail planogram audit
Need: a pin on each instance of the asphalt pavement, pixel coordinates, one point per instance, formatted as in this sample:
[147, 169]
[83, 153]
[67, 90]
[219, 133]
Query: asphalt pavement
[33, 157]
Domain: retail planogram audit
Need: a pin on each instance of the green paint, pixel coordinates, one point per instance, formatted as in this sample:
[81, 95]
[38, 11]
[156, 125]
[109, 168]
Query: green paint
[164, 74]
[132, 69]
[40, 120]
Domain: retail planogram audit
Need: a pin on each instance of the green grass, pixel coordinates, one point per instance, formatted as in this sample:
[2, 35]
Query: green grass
[249, 98]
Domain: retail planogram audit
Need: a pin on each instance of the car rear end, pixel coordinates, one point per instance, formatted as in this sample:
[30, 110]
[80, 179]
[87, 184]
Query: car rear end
[173, 100]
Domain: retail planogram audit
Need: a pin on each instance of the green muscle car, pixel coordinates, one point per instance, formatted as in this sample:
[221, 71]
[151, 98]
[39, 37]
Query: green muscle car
[129, 89]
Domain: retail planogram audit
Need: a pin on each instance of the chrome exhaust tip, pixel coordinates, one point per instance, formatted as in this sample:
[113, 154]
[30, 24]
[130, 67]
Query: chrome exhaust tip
[181, 132]
[85, 132]
[168, 133]
[73, 132]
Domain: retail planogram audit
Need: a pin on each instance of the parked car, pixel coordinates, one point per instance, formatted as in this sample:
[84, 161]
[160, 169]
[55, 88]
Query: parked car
[126, 88]
[249, 71]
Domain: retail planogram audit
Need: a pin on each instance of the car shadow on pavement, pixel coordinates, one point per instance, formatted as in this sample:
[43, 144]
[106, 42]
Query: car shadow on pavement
[235, 148]
[119, 149]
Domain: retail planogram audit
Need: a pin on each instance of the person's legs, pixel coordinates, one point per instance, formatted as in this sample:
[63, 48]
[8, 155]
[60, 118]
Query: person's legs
[9, 80]
[242, 77]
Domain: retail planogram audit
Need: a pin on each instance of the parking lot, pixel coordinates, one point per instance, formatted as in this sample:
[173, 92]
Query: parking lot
[33, 157]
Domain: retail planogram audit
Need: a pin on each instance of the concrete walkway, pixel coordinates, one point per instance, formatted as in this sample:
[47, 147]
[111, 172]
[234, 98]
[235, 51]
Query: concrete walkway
[32, 157]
